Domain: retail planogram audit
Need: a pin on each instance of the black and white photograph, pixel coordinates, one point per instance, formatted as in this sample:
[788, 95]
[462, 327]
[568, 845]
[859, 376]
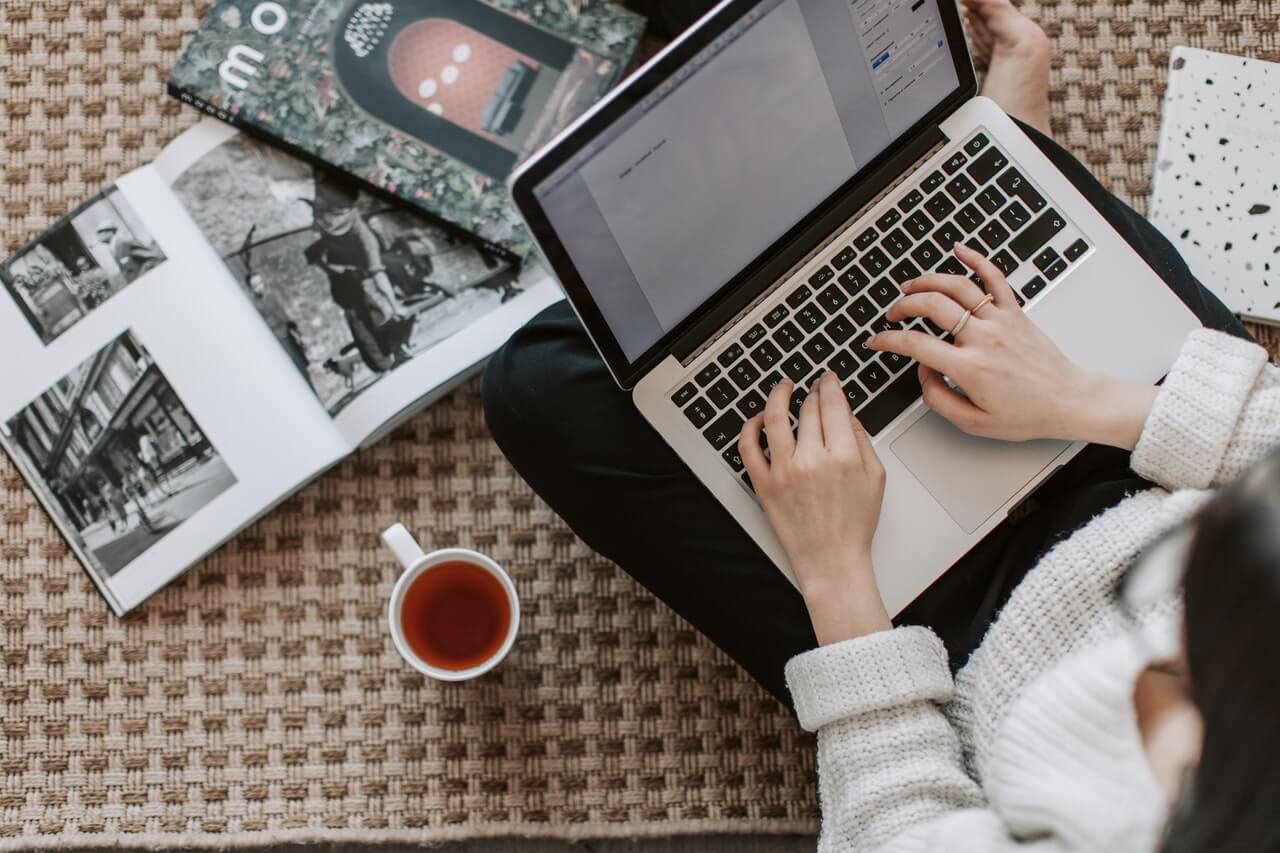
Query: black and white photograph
[351, 286]
[87, 257]
[116, 455]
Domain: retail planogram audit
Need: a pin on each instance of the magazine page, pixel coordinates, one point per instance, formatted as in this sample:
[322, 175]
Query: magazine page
[152, 415]
[433, 102]
[373, 304]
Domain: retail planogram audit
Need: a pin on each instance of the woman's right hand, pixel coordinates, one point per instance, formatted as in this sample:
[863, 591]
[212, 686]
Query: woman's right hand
[1016, 384]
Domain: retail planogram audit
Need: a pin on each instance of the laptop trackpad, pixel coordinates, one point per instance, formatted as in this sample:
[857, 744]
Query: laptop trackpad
[971, 477]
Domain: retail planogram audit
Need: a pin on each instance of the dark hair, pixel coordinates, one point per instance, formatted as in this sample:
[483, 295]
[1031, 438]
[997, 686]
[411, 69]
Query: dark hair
[1232, 590]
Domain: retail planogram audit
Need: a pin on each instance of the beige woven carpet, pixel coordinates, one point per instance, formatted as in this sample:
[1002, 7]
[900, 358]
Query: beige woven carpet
[258, 699]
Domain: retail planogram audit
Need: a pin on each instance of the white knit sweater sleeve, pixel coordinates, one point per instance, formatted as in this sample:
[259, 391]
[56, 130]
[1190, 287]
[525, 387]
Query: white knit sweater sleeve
[887, 758]
[1216, 414]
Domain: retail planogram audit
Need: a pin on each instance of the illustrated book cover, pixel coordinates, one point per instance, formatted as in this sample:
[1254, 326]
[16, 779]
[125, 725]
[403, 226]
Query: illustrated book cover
[434, 101]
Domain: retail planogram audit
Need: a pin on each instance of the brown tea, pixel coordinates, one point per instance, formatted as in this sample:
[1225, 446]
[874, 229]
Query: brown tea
[455, 615]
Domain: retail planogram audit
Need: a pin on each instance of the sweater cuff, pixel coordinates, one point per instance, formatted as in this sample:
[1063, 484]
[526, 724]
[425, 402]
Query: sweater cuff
[869, 673]
[1195, 412]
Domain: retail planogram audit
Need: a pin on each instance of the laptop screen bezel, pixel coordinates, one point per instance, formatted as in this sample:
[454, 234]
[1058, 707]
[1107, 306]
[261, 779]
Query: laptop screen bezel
[628, 94]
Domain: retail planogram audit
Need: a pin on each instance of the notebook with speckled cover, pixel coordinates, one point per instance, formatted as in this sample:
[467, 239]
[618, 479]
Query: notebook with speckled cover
[1216, 192]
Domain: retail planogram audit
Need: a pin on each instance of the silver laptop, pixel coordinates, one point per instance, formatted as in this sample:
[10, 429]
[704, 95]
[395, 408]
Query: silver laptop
[745, 207]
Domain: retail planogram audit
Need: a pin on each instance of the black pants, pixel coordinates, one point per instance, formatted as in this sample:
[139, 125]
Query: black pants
[581, 444]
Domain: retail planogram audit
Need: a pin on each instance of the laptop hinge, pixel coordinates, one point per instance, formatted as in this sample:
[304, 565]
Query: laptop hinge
[819, 236]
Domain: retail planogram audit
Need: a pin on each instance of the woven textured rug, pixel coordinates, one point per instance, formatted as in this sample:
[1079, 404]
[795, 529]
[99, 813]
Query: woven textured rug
[258, 700]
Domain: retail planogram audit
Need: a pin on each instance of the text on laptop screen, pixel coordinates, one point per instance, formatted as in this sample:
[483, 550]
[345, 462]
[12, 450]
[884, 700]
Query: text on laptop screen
[689, 186]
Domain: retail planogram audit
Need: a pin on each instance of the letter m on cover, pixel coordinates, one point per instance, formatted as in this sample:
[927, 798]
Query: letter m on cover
[242, 62]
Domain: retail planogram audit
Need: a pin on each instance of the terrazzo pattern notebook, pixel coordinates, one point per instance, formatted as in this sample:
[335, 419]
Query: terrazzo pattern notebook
[1216, 192]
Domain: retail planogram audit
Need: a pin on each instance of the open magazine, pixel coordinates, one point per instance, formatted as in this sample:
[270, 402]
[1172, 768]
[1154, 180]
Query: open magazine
[216, 329]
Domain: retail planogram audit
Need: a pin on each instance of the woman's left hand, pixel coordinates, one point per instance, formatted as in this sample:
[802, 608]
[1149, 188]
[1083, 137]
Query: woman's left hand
[821, 489]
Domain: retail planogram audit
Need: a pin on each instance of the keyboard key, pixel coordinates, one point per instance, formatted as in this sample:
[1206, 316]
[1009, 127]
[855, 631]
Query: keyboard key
[724, 429]
[754, 335]
[960, 188]
[933, 327]
[873, 376]
[744, 374]
[926, 255]
[1018, 298]
[776, 315]
[883, 324]
[722, 393]
[875, 262]
[833, 299]
[766, 355]
[1004, 262]
[864, 240]
[787, 336]
[771, 379]
[976, 244]
[947, 236]
[890, 402]
[910, 200]
[939, 206]
[903, 272]
[809, 317]
[987, 166]
[706, 374]
[684, 394]
[1015, 216]
[888, 219]
[1033, 287]
[854, 394]
[1058, 268]
[969, 218]
[853, 280]
[952, 266]
[796, 366]
[862, 311]
[883, 292]
[1014, 184]
[954, 163]
[1045, 259]
[821, 276]
[859, 349]
[896, 242]
[893, 362]
[994, 234]
[976, 144]
[732, 456]
[798, 296]
[731, 354]
[700, 413]
[843, 364]
[818, 348]
[917, 225]
[750, 405]
[1075, 251]
[932, 182]
[844, 257]
[797, 400]
[840, 329]
[1035, 235]
[990, 199]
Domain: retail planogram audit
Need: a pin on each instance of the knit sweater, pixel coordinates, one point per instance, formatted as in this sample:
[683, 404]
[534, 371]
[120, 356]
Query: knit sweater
[1033, 744]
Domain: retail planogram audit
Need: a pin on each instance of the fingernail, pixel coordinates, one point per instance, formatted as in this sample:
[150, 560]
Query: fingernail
[907, 285]
[871, 341]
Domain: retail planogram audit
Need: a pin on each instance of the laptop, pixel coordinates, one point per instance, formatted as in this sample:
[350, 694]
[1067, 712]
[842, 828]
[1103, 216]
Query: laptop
[746, 206]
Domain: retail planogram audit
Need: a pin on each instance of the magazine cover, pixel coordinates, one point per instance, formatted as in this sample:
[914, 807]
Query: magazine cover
[435, 101]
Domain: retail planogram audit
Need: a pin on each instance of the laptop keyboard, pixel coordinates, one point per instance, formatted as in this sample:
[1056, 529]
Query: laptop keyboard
[975, 196]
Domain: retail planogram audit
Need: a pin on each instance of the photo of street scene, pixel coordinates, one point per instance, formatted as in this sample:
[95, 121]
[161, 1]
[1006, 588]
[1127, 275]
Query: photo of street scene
[350, 286]
[116, 456]
[89, 256]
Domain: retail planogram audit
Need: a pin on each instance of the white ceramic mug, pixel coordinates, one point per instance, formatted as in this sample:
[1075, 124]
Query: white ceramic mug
[416, 562]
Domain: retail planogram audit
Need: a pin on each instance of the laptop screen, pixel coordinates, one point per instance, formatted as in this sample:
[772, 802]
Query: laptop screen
[686, 188]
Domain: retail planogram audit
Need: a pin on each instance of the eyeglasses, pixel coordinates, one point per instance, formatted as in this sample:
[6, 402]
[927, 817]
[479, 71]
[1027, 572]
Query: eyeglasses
[1156, 576]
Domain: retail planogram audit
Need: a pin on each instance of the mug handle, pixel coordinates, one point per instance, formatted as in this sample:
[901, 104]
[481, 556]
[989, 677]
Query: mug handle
[403, 545]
